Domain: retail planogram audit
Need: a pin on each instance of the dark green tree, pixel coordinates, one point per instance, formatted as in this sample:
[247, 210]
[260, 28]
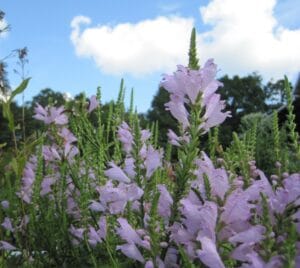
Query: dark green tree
[297, 87]
[275, 94]
[48, 97]
[4, 83]
[243, 95]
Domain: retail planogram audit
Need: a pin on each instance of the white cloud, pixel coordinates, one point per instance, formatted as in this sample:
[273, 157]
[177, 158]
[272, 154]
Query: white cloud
[245, 36]
[141, 48]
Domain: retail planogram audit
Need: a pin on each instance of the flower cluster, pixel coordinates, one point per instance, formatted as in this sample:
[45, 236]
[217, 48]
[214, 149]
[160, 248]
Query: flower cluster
[195, 87]
[116, 204]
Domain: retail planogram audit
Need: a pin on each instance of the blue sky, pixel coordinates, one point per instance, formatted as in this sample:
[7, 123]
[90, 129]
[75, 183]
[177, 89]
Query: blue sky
[140, 40]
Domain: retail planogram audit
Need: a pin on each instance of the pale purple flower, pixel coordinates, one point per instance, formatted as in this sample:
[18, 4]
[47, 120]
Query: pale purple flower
[96, 206]
[153, 160]
[93, 104]
[50, 153]
[127, 233]
[116, 198]
[178, 111]
[116, 173]
[195, 86]
[240, 253]
[77, 233]
[173, 138]
[5, 204]
[199, 220]
[171, 258]
[217, 178]
[213, 114]
[129, 167]
[145, 135]
[50, 115]
[149, 264]
[181, 235]
[72, 208]
[255, 260]
[125, 137]
[46, 184]
[258, 186]
[93, 237]
[236, 207]
[67, 135]
[102, 227]
[132, 252]
[165, 201]
[292, 185]
[208, 254]
[7, 225]
[252, 235]
[6, 246]
[28, 180]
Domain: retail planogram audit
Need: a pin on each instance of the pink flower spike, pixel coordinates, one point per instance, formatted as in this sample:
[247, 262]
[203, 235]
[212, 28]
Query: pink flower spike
[152, 161]
[125, 137]
[46, 185]
[50, 115]
[116, 173]
[126, 232]
[209, 255]
[132, 252]
[7, 224]
[93, 104]
[6, 246]
[165, 201]
[5, 204]
[173, 138]
[94, 237]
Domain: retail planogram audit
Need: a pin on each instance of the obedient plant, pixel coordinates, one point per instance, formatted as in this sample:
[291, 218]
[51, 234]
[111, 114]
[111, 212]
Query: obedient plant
[105, 195]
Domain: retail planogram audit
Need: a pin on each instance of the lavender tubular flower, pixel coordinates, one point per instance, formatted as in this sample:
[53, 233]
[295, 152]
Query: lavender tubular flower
[116, 173]
[7, 225]
[164, 203]
[5, 204]
[50, 115]
[125, 137]
[94, 104]
[152, 161]
[191, 86]
[6, 246]
[209, 255]
[132, 252]
[27, 181]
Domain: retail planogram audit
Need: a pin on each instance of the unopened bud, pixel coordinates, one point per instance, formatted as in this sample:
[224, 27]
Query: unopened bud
[274, 177]
[285, 175]
[278, 164]
[164, 244]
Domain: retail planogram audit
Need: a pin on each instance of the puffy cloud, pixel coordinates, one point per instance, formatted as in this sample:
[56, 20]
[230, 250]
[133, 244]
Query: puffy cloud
[245, 36]
[145, 47]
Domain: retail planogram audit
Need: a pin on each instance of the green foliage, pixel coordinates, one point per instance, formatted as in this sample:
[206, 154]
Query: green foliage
[193, 60]
[293, 134]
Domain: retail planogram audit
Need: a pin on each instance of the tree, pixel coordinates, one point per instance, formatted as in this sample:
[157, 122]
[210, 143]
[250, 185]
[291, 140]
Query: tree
[297, 87]
[4, 83]
[48, 96]
[243, 95]
[275, 94]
